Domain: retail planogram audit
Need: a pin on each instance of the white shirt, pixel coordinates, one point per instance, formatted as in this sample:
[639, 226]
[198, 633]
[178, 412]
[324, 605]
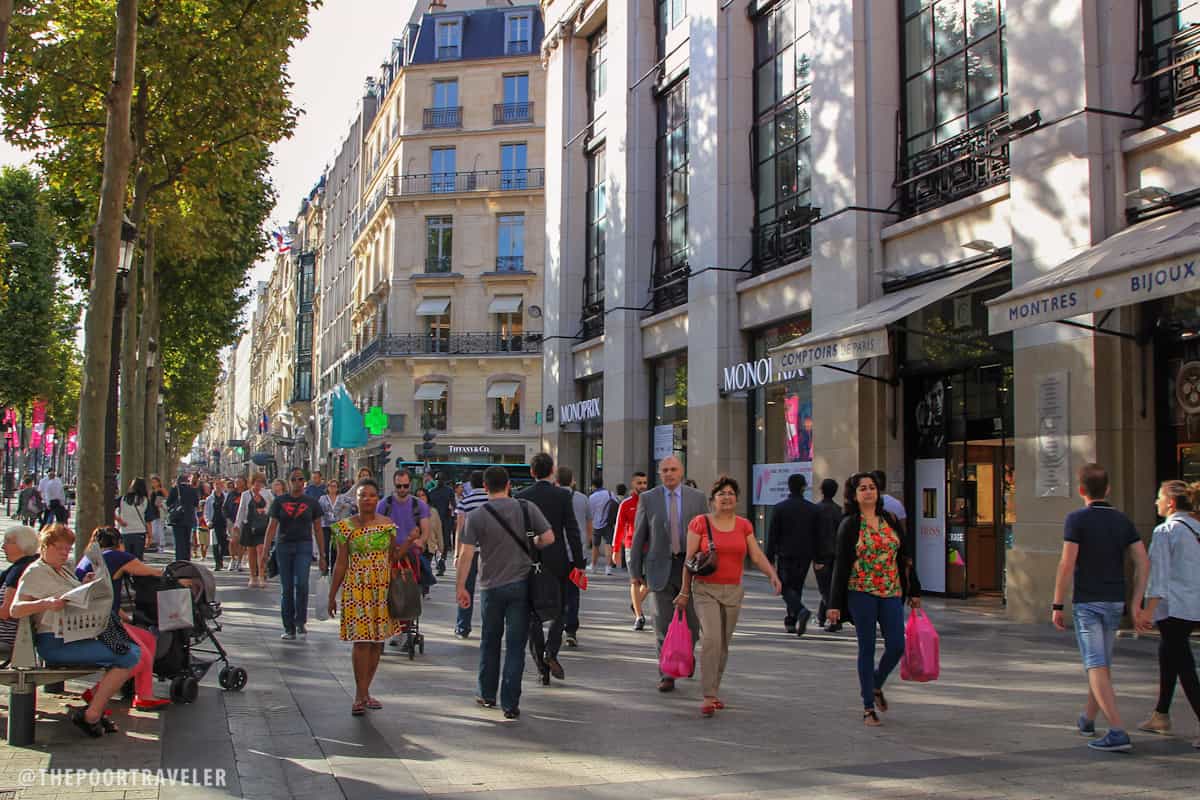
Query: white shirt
[52, 489]
[894, 507]
[134, 516]
[244, 505]
[597, 501]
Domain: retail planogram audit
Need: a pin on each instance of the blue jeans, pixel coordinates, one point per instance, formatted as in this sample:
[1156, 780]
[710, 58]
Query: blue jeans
[183, 542]
[54, 650]
[1096, 627]
[504, 611]
[294, 559]
[888, 612]
[463, 623]
[135, 544]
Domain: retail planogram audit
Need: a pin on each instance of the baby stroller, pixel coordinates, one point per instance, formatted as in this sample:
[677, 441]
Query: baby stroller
[411, 638]
[175, 659]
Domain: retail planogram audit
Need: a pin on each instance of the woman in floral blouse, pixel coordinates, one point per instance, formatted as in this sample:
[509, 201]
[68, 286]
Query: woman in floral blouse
[873, 573]
[365, 551]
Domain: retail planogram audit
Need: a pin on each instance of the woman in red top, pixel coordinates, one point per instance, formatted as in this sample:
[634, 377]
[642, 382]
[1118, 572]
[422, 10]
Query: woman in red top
[719, 595]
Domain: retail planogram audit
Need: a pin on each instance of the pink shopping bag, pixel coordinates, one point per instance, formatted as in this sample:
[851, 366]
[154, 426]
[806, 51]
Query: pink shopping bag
[921, 661]
[676, 659]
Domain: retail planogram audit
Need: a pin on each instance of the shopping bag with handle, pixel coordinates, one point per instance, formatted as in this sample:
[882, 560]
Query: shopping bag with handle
[921, 661]
[676, 659]
[321, 595]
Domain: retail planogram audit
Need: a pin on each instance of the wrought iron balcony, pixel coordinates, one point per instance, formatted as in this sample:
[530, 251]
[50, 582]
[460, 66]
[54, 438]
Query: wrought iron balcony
[781, 242]
[669, 288]
[593, 319]
[496, 180]
[511, 113]
[450, 117]
[510, 263]
[954, 169]
[1171, 72]
[421, 344]
[437, 264]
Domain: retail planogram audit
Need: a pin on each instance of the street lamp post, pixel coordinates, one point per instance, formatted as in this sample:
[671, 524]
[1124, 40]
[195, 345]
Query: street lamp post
[129, 237]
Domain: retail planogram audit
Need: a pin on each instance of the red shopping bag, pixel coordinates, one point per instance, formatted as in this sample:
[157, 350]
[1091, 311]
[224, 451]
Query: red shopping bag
[921, 661]
[676, 659]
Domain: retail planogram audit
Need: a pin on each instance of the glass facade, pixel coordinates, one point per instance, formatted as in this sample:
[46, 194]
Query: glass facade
[669, 414]
[672, 256]
[597, 222]
[592, 436]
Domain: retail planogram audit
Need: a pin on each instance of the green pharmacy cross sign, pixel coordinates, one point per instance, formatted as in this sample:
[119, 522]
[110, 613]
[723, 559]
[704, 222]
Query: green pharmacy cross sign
[376, 421]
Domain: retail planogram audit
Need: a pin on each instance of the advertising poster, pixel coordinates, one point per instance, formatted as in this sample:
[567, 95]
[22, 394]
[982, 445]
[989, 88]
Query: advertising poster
[664, 441]
[798, 425]
[931, 523]
[770, 481]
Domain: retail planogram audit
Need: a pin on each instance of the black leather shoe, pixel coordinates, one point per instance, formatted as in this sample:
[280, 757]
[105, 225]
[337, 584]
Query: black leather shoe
[512, 713]
[666, 685]
[555, 668]
[802, 623]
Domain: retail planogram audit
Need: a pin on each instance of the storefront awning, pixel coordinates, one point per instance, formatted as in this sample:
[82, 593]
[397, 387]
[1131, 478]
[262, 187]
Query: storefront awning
[862, 333]
[1152, 259]
[430, 391]
[505, 304]
[433, 306]
[503, 390]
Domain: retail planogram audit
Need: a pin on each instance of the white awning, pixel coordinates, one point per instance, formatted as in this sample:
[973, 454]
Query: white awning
[430, 391]
[862, 333]
[503, 390]
[1152, 259]
[433, 306]
[505, 304]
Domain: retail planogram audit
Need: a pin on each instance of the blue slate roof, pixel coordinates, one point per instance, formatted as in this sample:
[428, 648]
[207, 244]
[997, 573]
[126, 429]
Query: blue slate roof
[482, 37]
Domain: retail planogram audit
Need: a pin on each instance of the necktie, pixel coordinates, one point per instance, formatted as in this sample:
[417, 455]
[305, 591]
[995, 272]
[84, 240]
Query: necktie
[673, 522]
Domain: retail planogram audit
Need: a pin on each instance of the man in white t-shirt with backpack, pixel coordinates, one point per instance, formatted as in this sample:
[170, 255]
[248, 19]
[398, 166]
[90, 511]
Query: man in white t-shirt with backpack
[603, 505]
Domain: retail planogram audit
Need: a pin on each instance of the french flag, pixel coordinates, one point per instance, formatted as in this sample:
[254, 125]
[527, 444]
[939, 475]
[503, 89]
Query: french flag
[283, 242]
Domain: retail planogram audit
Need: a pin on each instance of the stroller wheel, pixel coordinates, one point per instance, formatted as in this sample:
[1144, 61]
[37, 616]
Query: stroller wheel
[223, 677]
[177, 695]
[421, 645]
[191, 690]
[237, 679]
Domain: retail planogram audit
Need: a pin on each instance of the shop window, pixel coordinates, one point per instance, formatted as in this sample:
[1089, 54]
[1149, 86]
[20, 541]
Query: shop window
[670, 410]
[669, 281]
[1169, 52]
[955, 97]
[504, 401]
[597, 223]
[433, 414]
[782, 153]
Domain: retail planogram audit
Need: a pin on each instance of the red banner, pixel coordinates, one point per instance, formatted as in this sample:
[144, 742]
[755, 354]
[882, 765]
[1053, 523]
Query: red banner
[48, 442]
[72, 441]
[39, 424]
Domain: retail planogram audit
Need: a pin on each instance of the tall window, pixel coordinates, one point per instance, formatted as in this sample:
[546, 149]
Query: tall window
[516, 89]
[670, 14]
[783, 172]
[1169, 48]
[510, 243]
[437, 332]
[445, 93]
[954, 72]
[439, 237]
[446, 113]
[518, 34]
[673, 194]
[433, 414]
[597, 222]
[506, 413]
[597, 73]
[441, 167]
[510, 326]
[513, 174]
[516, 106]
[449, 39]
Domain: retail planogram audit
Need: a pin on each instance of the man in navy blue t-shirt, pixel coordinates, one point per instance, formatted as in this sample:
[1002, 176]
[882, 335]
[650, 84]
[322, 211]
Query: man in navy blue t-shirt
[1095, 539]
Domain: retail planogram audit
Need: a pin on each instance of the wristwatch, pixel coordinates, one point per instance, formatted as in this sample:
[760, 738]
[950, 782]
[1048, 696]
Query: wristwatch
[1056, 606]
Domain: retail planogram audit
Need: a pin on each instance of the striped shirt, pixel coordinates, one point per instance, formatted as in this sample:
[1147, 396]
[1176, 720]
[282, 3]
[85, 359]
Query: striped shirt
[470, 501]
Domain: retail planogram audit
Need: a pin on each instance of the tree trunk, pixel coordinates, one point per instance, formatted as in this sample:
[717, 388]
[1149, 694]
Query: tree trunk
[133, 357]
[150, 382]
[93, 396]
[6, 15]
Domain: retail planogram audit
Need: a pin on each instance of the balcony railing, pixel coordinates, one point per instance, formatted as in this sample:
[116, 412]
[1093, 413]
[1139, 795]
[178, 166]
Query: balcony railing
[954, 169]
[669, 288]
[517, 47]
[510, 263]
[781, 242]
[511, 113]
[443, 117]
[437, 264]
[449, 51]
[593, 319]
[497, 180]
[1171, 73]
[418, 344]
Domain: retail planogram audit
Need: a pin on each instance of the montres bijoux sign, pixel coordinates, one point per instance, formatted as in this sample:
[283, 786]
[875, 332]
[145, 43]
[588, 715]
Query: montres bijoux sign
[752, 374]
[579, 412]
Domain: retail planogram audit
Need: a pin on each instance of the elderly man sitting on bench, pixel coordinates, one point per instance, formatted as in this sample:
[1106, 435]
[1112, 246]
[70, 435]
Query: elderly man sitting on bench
[40, 593]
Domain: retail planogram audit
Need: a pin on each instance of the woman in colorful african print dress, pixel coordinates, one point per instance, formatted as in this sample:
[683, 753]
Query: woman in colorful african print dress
[366, 547]
[873, 573]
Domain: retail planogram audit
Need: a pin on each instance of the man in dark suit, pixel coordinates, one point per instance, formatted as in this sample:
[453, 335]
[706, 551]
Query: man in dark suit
[831, 517]
[659, 546]
[181, 504]
[560, 557]
[793, 541]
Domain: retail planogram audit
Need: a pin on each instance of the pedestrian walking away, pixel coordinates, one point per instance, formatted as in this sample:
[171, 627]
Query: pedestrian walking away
[441, 499]
[623, 543]
[473, 497]
[296, 518]
[1173, 599]
[504, 565]
[603, 505]
[830, 518]
[873, 574]
[251, 527]
[793, 542]
[659, 545]
[559, 558]
[181, 514]
[366, 546]
[131, 517]
[218, 526]
[718, 595]
[1095, 540]
[233, 501]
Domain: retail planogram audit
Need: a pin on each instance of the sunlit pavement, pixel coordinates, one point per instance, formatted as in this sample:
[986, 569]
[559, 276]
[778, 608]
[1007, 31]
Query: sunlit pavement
[999, 722]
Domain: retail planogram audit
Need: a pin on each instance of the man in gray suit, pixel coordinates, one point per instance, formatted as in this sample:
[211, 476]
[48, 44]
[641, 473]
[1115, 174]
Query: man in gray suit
[659, 544]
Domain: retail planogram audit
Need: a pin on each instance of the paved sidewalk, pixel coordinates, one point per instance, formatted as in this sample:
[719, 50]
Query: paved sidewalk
[999, 722]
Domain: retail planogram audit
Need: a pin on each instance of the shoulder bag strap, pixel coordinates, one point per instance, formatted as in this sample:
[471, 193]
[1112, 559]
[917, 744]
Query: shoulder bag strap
[712, 546]
[141, 516]
[508, 529]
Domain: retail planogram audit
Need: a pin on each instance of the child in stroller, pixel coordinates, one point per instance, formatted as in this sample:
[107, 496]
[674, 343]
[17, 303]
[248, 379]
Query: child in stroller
[176, 659]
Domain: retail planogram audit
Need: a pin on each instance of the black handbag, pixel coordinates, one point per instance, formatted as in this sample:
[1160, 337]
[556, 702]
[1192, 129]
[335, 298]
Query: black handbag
[115, 637]
[545, 590]
[404, 593]
[272, 563]
[704, 562]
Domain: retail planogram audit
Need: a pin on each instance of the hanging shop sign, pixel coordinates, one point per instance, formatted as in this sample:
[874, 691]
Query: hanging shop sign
[582, 411]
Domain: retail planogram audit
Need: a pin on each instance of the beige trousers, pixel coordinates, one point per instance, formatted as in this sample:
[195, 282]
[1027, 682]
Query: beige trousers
[717, 606]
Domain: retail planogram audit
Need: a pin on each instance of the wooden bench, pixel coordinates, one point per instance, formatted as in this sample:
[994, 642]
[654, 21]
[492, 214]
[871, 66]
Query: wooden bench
[23, 674]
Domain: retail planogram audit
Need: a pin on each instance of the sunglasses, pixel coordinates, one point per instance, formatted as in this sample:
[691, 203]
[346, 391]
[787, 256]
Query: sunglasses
[403, 485]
